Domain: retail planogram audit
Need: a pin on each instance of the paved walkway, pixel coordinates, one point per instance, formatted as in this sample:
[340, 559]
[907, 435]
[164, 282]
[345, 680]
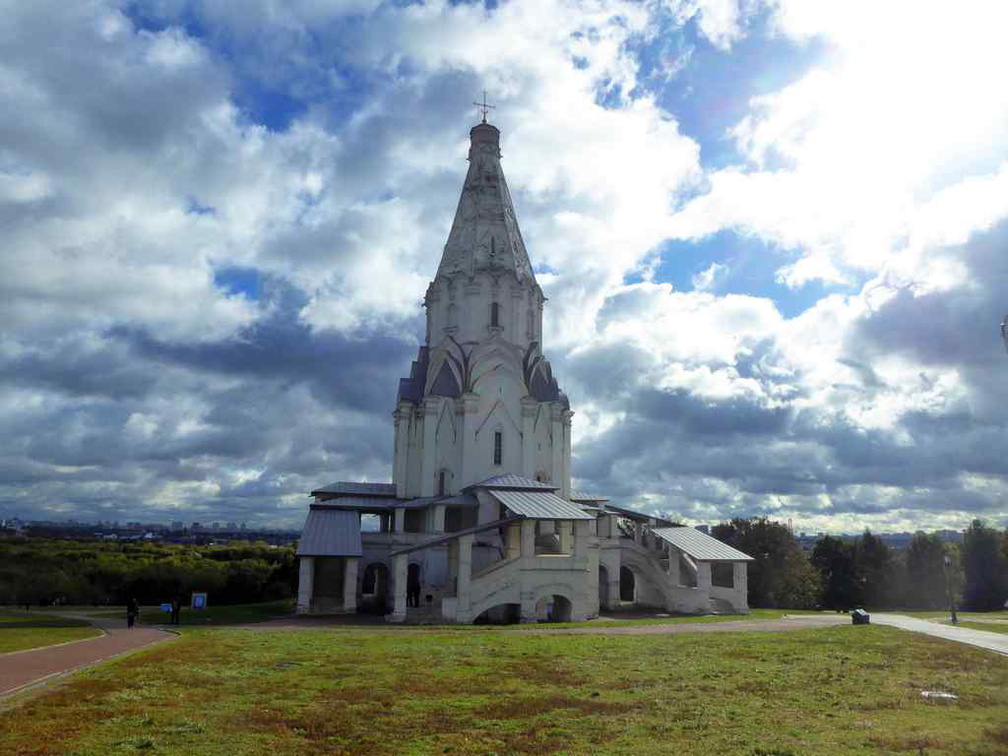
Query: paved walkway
[25, 669]
[997, 642]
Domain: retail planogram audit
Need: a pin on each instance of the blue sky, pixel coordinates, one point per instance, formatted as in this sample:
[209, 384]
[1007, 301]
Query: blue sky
[773, 247]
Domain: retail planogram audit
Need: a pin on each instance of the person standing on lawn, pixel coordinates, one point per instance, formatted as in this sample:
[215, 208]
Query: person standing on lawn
[132, 611]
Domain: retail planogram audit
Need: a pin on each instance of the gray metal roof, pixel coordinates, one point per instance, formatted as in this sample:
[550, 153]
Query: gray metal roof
[700, 545]
[540, 505]
[370, 503]
[633, 514]
[582, 496]
[351, 488]
[330, 532]
[510, 480]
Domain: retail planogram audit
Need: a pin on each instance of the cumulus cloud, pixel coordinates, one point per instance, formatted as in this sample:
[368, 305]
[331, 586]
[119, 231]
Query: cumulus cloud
[220, 220]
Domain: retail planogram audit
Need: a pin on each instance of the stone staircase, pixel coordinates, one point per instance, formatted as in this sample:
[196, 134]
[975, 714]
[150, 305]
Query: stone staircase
[425, 614]
[721, 606]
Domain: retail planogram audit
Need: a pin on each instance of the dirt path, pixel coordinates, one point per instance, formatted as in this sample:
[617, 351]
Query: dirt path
[25, 669]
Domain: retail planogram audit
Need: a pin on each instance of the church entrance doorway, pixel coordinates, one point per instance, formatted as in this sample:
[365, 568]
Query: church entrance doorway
[627, 585]
[374, 589]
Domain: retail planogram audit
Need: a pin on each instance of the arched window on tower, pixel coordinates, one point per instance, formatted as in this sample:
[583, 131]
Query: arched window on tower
[498, 449]
[495, 315]
[441, 486]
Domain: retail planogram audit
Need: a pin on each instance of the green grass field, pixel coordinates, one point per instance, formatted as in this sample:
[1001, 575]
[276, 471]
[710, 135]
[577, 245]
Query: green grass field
[843, 690]
[21, 631]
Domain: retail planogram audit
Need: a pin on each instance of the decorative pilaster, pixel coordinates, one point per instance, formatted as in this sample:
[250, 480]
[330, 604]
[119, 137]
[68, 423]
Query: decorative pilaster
[430, 410]
[528, 412]
[463, 591]
[400, 566]
[556, 418]
[465, 413]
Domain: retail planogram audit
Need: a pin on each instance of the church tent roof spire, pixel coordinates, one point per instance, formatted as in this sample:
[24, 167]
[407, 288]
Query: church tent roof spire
[485, 233]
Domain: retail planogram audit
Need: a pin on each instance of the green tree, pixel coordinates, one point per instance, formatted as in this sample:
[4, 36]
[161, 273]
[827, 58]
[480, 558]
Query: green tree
[985, 568]
[842, 583]
[876, 566]
[925, 573]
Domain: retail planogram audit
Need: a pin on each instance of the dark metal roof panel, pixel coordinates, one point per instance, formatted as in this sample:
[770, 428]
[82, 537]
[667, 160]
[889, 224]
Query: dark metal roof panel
[357, 489]
[581, 496]
[540, 505]
[700, 545]
[510, 480]
[330, 532]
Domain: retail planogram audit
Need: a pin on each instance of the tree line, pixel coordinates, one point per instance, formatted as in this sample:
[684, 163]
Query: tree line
[42, 571]
[865, 572]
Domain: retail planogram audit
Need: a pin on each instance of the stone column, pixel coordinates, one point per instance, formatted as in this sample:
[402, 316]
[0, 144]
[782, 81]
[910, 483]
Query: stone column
[464, 591]
[350, 584]
[739, 579]
[439, 515]
[581, 537]
[306, 584]
[704, 577]
[673, 566]
[400, 566]
[612, 588]
[528, 411]
[566, 536]
[400, 520]
[512, 541]
[528, 528]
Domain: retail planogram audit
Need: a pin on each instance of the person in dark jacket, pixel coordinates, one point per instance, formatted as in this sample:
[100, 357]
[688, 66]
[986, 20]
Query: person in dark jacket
[132, 612]
[176, 610]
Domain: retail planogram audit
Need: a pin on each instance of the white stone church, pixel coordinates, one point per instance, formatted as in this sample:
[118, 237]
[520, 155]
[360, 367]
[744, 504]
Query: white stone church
[479, 523]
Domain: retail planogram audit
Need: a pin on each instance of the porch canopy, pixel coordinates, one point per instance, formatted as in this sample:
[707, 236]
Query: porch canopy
[700, 546]
[331, 533]
[540, 505]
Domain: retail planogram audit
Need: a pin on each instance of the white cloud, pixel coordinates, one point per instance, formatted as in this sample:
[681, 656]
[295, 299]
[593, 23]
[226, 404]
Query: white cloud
[710, 277]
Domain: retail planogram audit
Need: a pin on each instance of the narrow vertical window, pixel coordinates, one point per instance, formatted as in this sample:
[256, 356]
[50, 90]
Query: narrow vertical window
[495, 315]
[441, 483]
[498, 447]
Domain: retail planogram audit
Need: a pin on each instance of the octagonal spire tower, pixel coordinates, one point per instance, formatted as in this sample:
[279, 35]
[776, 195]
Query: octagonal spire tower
[485, 235]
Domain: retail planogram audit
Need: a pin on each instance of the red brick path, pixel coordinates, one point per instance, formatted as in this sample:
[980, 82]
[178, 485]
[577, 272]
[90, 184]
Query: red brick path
[20, 670]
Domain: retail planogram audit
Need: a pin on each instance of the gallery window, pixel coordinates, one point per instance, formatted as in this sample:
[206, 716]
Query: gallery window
[495, 315]
[498, 453]
[441, 483]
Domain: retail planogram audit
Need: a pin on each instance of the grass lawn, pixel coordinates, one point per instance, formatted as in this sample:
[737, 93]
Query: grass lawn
[843, 690]
[20, 631]
[22, 638]
[635, 619]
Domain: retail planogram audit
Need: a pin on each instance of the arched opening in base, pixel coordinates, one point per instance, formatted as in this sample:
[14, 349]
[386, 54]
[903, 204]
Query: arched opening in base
[555, 608]
[627, 585]
[502, 614]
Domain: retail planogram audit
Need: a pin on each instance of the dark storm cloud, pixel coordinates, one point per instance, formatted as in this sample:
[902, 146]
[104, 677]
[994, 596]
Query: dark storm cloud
[357, 370]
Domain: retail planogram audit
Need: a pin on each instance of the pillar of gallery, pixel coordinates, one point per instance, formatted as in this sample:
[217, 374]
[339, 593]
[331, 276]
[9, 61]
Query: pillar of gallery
[306, 584]
[350, 584]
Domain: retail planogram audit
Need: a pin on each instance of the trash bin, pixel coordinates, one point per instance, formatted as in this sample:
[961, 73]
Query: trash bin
[860, 617]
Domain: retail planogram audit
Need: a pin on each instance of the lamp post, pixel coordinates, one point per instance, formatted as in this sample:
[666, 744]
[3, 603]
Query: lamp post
[948, 585]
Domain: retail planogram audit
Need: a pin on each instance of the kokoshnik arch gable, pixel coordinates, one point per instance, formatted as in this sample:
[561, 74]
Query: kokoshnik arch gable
[479, 522]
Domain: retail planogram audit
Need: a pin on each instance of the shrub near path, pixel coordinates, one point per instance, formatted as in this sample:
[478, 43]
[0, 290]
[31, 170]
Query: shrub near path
[841, 690]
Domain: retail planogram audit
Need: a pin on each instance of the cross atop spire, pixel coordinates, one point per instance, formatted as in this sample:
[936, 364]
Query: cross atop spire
[484, 107]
